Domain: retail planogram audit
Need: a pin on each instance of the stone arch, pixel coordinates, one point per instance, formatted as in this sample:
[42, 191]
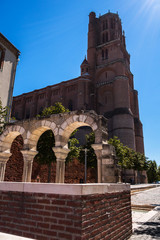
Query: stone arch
[62, 126]
[7, 137]
[30, 144]
[36, 131]
[72, 123]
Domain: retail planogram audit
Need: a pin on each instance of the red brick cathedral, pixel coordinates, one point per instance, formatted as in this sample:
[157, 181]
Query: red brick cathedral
[105, 85]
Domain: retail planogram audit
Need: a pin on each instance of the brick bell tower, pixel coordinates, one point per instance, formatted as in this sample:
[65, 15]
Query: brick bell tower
[113, 88]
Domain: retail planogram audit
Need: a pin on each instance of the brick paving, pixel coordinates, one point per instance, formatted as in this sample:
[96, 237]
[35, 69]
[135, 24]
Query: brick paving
[149, 229]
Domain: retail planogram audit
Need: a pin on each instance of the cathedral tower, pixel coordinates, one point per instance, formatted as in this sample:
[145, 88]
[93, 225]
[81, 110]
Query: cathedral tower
[114, 94]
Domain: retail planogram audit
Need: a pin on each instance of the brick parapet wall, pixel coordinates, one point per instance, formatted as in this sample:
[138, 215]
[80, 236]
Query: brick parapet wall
[43, 211]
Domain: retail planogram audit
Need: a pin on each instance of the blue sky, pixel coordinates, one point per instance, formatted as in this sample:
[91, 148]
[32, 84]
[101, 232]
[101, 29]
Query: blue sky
[52, 38]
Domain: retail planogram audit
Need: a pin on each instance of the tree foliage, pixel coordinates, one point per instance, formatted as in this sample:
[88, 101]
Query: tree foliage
[127, 157]
[74, 149]
[152, 172]
[130, 159]
[159, 173]
[3, 115]
[55, 109]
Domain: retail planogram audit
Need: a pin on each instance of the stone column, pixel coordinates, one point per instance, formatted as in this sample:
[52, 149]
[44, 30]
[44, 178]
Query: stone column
[61, 154]
[3, 160]
[106, 163]
[98, 151]
[28, 156]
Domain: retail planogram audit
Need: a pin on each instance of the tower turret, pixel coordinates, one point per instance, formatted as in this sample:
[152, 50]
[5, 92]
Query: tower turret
[85, 67]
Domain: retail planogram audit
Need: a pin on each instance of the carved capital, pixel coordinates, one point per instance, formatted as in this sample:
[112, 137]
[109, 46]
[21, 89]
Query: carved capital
[28, 155]
[4, 156]
[61, 153]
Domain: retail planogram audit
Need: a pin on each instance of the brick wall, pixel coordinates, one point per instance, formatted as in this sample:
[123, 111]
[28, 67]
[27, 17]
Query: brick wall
[65, 211]
[14, 166]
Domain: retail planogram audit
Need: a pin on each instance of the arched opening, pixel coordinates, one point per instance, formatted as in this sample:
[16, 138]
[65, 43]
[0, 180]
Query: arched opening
[106, 24]
[106, 36]
[106, 53]
[40, 110]
[81, 138]
[70, 105]
[103, 38]
[14, 166]
[27, 113]
[102, 54]
[103, 25]
[44, 164]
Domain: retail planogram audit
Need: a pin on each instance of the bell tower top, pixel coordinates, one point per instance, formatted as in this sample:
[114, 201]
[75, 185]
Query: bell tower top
[106, 41]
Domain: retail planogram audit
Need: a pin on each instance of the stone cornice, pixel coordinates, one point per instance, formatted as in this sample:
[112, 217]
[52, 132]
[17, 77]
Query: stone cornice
[99, 84]
[9, 45]
[69, 189]
[55, 86]
[108, 44]
[111, 62]
[118, 60]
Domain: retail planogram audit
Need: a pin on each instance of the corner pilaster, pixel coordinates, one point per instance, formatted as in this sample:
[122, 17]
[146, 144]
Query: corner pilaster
[106, 163]
[3, 160]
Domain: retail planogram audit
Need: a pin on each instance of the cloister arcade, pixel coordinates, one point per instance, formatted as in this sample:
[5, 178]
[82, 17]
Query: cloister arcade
[62, 125]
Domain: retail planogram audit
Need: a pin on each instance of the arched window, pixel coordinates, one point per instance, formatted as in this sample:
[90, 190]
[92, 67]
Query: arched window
[106, 24]
[17, 116]
[112, 36]
[106, 54]
[103, 25]
[102, 54]
[106, 36]
[40, 110]
[112, 23]
[103, 38]
[106, 100]
[70, 105]
[27, 113]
